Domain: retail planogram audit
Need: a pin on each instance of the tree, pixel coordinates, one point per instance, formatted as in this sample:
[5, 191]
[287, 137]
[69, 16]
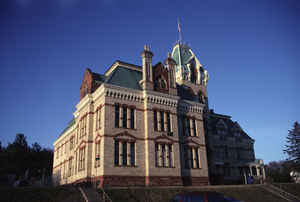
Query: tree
[292, 148]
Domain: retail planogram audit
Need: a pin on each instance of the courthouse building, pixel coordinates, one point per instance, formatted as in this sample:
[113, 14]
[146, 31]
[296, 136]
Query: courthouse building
[138, 125]
[145, 126]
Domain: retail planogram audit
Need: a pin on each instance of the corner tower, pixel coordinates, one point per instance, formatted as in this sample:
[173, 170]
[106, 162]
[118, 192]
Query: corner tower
[190, 73]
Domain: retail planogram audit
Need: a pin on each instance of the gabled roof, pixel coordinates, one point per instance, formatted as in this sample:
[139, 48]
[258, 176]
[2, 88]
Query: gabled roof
[214, 119]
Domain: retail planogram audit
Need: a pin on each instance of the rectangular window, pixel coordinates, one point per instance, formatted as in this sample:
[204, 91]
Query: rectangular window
[117, 115]
[57, 152]
[124, 153]
[170, 156]
[197, 158]
[162, 122]
[66, 146]
[163, 154]
[81, 159]
[124, 118]
[70, 167]
[191, 157]
[71, 142]
[156, 155]
[183, 125]
[186, 157]
[98, 119]
[155, 120]
[97, 154]
[168, 122]
[76, 163]
[188, 124]
[194, 127]
[116, 152]
[132, 154]
[132, 118]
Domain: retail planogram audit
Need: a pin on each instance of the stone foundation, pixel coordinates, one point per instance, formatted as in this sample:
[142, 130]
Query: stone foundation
[127, 181]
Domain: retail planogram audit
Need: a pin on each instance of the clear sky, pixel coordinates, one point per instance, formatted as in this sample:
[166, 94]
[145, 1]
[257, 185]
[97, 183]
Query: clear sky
[251, 50]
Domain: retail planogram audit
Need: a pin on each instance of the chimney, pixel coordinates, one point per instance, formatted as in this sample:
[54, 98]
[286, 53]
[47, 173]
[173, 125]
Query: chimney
[147, 68]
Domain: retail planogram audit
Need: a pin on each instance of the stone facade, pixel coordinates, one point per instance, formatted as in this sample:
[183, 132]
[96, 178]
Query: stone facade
[138, 125]
[230, 152]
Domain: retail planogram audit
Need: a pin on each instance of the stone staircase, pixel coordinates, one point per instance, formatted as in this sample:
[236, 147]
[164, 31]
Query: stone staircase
[281, 193]
[92, 195]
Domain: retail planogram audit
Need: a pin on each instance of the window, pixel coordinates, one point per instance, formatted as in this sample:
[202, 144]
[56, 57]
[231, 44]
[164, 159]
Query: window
[98, 118]
[197, 158]
[188, 124]
[76, 162]
[132, 154]
[116, 152]
[83, 126]
[155, 120]
[71, 143]
[170, 155]
[66, 146]
[81, 165]
[132, 118]
[188, 128]
[168, 122]
[97, 154]
[159, 122]
[156, 155]
[124, 153]
[127, 156]
[163, 155]
[191, 157]
[162, 128]
[194, 128]
[70, 167]
[57, 152]
[127, 114]
[124, 117]
[117, 115]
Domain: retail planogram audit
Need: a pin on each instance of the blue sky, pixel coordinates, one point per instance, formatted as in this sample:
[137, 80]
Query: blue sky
[251, 50]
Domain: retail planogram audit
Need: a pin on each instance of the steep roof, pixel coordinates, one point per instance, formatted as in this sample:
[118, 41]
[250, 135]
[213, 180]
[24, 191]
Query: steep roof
[231, 125]
[125, 77]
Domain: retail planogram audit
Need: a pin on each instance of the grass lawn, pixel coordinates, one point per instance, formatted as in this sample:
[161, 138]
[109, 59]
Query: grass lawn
[30, 194]
[244, 193]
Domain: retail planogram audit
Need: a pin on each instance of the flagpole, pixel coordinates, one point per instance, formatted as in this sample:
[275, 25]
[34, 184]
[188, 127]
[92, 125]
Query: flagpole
[179, 31]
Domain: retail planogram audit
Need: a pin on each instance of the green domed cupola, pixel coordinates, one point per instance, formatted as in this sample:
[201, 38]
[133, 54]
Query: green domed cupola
[188, 67]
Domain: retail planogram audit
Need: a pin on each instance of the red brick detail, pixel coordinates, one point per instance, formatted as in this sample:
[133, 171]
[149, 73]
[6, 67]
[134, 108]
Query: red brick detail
[195, 181]
[165, 181]
[125, 181]
[121, 181]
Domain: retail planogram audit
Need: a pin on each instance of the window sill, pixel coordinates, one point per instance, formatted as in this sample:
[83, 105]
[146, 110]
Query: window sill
[164, 167]
[127, 166]
[126, 128]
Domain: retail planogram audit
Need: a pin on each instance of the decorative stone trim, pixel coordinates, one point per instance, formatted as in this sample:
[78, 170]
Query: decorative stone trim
[123, 95]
